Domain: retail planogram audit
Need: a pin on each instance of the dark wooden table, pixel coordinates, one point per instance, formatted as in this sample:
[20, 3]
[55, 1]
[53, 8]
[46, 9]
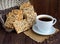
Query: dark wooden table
[51, 7]
[13, 38]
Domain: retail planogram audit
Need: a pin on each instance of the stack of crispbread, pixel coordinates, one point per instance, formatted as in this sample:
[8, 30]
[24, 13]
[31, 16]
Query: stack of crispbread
[21, 19]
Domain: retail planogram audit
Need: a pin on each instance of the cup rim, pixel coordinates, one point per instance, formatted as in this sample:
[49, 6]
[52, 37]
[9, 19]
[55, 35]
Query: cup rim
[44, 16]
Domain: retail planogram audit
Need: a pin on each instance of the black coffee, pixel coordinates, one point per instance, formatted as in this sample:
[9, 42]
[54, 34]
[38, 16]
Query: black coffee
[45, 19]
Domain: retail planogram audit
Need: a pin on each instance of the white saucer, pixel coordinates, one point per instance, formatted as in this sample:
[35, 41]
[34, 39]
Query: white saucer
[36, 30]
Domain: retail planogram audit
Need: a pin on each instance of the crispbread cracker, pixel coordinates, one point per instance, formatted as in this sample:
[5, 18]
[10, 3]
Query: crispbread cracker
[21, 26]
[9, 21]
[29, 13]
[18, 14]
[12, 16]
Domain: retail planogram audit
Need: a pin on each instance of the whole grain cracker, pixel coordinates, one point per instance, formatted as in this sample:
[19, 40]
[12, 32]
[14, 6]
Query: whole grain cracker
[21, 26]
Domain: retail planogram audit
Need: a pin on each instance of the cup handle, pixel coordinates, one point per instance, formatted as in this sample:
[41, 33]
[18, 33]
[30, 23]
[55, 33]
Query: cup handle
[54, 20]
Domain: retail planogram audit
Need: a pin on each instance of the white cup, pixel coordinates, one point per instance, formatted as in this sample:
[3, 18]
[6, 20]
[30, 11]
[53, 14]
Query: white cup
[45, 26]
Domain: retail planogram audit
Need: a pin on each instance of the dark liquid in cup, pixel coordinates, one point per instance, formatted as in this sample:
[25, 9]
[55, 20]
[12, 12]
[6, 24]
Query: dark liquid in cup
[45, 19]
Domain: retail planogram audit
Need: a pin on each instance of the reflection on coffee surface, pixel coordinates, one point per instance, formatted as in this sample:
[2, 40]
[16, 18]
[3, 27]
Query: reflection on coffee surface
[45, 19]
